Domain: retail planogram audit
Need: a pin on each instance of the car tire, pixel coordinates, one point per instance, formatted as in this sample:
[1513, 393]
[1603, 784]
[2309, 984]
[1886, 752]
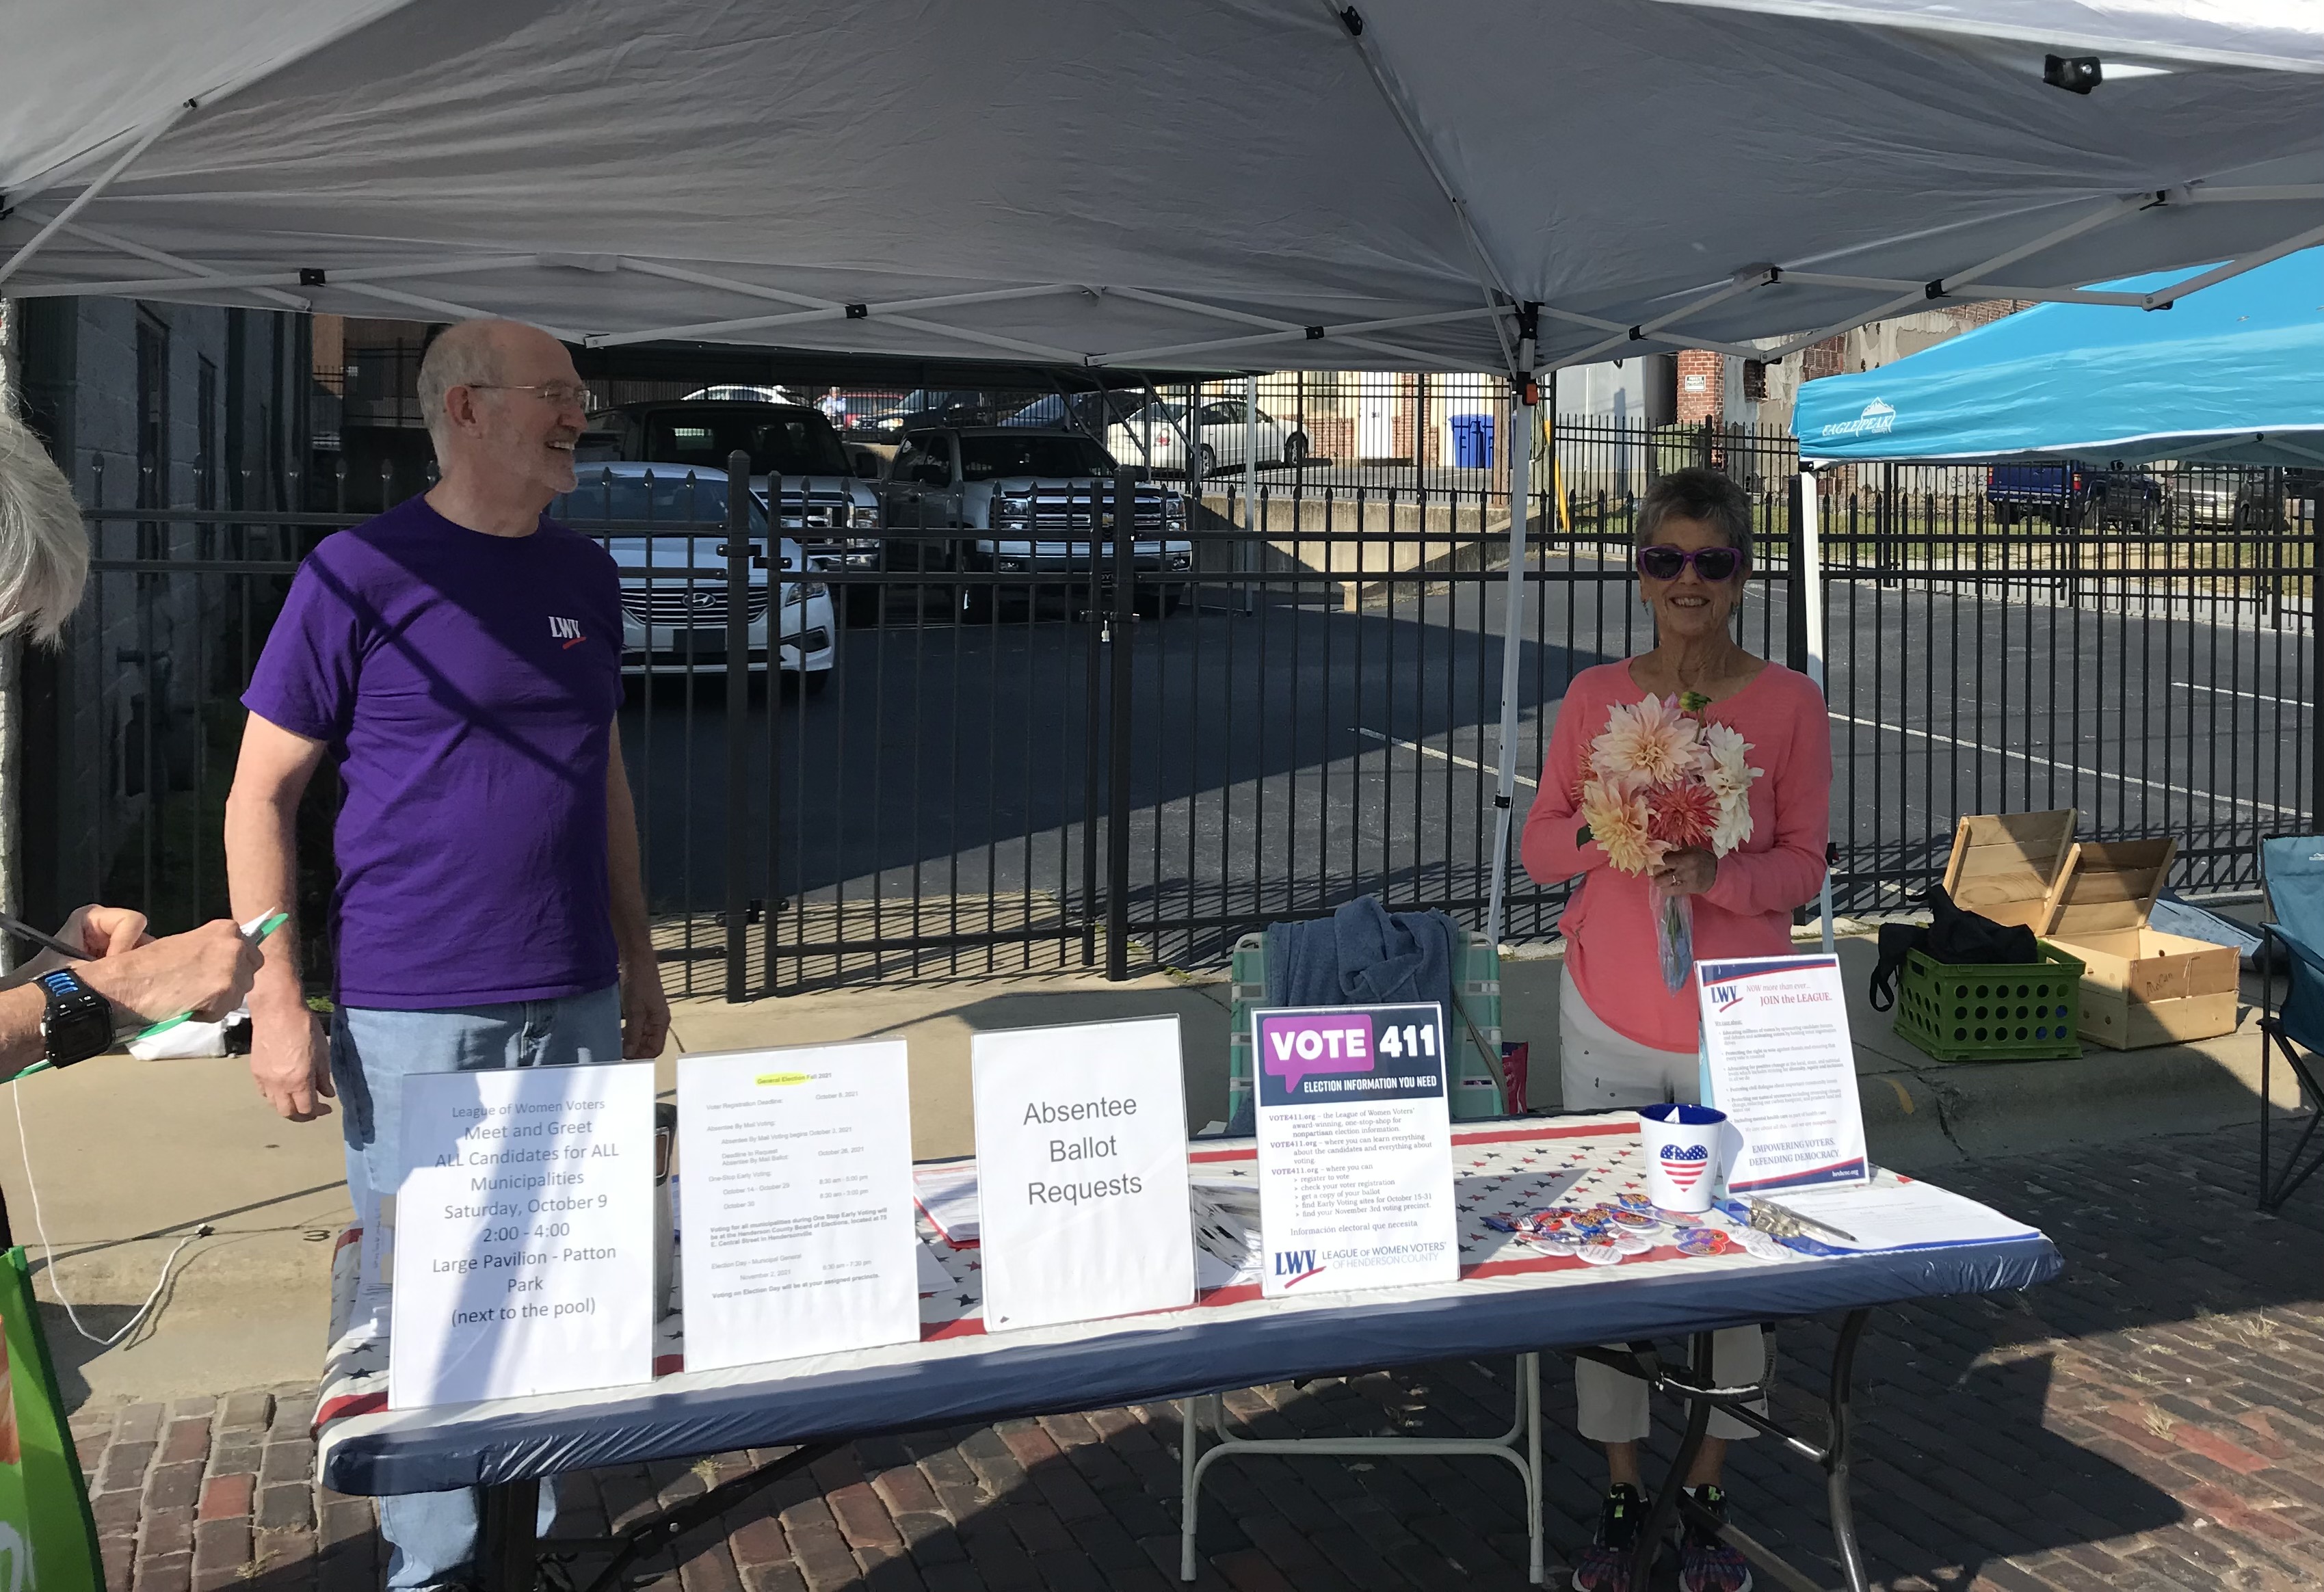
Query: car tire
[1206, 458]
[974, 604]
[1295, 449]
[1161, 604]
[819, 681]
[863, 604]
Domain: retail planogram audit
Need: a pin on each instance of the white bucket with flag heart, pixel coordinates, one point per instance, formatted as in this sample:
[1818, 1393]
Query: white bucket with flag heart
[1680, 1144]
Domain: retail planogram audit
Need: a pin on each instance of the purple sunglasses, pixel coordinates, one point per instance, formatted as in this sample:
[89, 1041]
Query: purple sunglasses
[1667, 563]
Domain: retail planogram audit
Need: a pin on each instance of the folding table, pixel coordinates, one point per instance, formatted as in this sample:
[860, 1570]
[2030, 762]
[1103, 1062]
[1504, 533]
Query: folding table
[1511, 1298]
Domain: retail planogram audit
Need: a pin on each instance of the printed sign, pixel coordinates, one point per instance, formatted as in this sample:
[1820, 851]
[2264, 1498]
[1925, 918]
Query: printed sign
[1779, 1061]
[523, 1233]
[798, 1202]
[1355, 1149]
[1081, 1157]
[48, 1539]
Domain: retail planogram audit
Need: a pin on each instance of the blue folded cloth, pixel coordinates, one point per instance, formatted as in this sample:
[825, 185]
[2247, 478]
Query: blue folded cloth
[2173, 916]
[1362, 955]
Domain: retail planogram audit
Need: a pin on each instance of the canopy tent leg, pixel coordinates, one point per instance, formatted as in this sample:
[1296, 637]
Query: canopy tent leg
[1521, 463]
[1811, 597]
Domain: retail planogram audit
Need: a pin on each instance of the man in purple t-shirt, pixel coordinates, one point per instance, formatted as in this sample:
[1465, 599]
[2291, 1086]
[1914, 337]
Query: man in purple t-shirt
[458, 659]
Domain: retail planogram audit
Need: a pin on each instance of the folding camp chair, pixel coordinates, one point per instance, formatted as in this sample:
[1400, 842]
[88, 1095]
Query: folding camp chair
[2291, 870]
[1476, 1086]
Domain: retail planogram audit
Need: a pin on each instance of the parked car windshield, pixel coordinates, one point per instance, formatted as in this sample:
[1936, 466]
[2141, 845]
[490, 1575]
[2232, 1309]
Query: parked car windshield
[672, 498]
[982, 458]
[788, 441]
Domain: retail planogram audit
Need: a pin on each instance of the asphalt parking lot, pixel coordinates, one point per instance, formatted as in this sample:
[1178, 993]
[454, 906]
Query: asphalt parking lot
[1287, 752]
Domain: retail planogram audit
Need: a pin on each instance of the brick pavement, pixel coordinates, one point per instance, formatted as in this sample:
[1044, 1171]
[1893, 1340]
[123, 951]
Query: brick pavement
[2152, 1421]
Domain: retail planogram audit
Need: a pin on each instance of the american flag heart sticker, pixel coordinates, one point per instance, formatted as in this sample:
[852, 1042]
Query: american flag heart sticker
[1684, 1164]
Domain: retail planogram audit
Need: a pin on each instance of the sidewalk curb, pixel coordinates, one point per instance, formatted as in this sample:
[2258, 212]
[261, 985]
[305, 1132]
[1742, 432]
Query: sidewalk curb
[1941, 1113]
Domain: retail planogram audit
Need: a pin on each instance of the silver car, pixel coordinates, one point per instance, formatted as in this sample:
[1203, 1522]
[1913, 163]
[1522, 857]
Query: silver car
[666, 529]
[826, 503]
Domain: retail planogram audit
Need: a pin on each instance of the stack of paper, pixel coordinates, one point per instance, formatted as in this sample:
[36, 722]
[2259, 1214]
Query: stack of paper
[1902, 1215]
[946, 1194]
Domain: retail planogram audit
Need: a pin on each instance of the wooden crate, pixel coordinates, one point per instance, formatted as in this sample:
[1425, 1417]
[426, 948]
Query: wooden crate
[2004, 864]
[2139, 986]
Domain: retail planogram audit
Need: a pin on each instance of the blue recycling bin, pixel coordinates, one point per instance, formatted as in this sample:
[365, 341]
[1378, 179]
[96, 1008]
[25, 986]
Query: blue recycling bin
[1472, 442]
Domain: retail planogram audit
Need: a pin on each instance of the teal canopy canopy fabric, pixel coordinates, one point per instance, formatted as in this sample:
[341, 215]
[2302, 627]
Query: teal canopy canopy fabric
[2233, 375]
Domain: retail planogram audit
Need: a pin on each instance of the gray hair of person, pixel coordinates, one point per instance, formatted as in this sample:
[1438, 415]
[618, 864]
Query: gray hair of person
[463, 355]
[43, 545]
[1697, 492]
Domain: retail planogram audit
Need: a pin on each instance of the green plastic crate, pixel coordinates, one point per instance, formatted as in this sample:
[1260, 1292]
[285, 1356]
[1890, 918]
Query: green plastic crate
[1476, 1024]
[1993, 1012]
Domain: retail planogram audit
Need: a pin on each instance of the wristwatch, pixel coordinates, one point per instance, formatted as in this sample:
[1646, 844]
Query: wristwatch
[78, 1023]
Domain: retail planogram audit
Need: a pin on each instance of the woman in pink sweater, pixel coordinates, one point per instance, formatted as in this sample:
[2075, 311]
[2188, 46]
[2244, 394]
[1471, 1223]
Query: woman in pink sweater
[1627, 1039]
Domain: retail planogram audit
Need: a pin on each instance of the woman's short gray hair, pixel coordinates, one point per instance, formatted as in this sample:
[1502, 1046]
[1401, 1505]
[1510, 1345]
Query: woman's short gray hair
[43, 545]
[1697, 492]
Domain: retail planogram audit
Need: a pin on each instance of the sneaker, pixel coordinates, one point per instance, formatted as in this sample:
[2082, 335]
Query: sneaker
[1604, 1566]
[1708, 1562]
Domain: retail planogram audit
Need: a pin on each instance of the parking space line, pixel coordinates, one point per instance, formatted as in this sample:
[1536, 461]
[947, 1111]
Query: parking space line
[2254, 696]
[2003, 752]
[1450, 756]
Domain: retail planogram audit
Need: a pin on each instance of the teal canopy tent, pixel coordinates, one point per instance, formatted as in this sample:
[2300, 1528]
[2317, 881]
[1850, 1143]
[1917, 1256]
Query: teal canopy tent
[2231, 375]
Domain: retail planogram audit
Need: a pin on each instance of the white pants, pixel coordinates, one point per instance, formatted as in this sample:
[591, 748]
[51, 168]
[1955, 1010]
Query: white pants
[1600, 1069]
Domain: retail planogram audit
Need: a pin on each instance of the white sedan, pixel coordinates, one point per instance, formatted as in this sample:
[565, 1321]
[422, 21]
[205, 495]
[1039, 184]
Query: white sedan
[1219, 432]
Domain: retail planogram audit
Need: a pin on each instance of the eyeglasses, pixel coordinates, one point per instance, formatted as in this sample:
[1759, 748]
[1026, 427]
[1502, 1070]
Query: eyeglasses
[1713, 563]
[564, 395]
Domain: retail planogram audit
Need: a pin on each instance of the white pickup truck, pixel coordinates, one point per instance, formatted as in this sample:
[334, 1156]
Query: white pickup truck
[1003, 500]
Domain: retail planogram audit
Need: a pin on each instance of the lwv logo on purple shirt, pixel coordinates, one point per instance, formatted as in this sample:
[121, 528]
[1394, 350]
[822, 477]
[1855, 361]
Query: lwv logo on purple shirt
[568, 631]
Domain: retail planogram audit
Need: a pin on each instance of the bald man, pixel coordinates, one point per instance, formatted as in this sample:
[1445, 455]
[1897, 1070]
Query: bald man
[459, 660]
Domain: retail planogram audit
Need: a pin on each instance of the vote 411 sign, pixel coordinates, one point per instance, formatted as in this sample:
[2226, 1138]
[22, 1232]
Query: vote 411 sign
[1355, 1149]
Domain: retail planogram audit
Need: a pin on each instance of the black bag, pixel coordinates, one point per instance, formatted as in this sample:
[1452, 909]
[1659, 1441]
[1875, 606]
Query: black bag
[1952, 936]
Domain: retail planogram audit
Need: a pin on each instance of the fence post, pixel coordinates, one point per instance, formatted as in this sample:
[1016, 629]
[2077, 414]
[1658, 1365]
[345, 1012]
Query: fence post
[1796, 579]
[738, 712]
[2315, 670]
[771, 900]
[1117, 730]
[1093, 729]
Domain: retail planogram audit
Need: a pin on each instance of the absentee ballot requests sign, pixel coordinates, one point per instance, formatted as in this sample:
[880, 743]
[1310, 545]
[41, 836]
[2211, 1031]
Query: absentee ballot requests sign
[524, 1241]
[1355, 1149]
[1081, 1172]
[1783, 1067]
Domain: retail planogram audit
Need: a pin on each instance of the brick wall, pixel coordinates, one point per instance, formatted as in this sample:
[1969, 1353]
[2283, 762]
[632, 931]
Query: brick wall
[1701, 386]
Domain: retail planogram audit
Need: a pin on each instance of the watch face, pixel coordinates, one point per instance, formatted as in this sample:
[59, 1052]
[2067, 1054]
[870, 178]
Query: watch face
[78, 1022]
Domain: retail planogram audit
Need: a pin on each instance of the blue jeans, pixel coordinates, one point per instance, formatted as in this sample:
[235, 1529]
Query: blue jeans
[431, 1537]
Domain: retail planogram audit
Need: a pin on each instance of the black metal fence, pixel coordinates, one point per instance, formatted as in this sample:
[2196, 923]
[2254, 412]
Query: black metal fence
[1103, 758]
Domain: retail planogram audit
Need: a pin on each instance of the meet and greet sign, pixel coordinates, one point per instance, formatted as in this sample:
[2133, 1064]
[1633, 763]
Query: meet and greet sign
[1355, 1148]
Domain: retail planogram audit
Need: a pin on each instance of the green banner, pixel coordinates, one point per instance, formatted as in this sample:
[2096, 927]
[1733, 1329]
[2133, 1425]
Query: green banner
[48, 1541]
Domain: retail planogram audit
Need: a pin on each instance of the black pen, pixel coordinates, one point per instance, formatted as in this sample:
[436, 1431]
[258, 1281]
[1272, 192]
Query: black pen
[27, 932]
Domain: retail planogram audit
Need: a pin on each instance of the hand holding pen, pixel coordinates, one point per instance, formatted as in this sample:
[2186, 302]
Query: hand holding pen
[204, 972]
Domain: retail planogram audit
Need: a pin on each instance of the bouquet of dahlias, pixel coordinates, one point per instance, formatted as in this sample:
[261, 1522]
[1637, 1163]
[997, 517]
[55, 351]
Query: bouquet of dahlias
[1662, 778]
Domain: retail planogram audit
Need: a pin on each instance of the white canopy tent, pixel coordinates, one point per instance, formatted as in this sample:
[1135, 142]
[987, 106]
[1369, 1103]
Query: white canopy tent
[1509, 184]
